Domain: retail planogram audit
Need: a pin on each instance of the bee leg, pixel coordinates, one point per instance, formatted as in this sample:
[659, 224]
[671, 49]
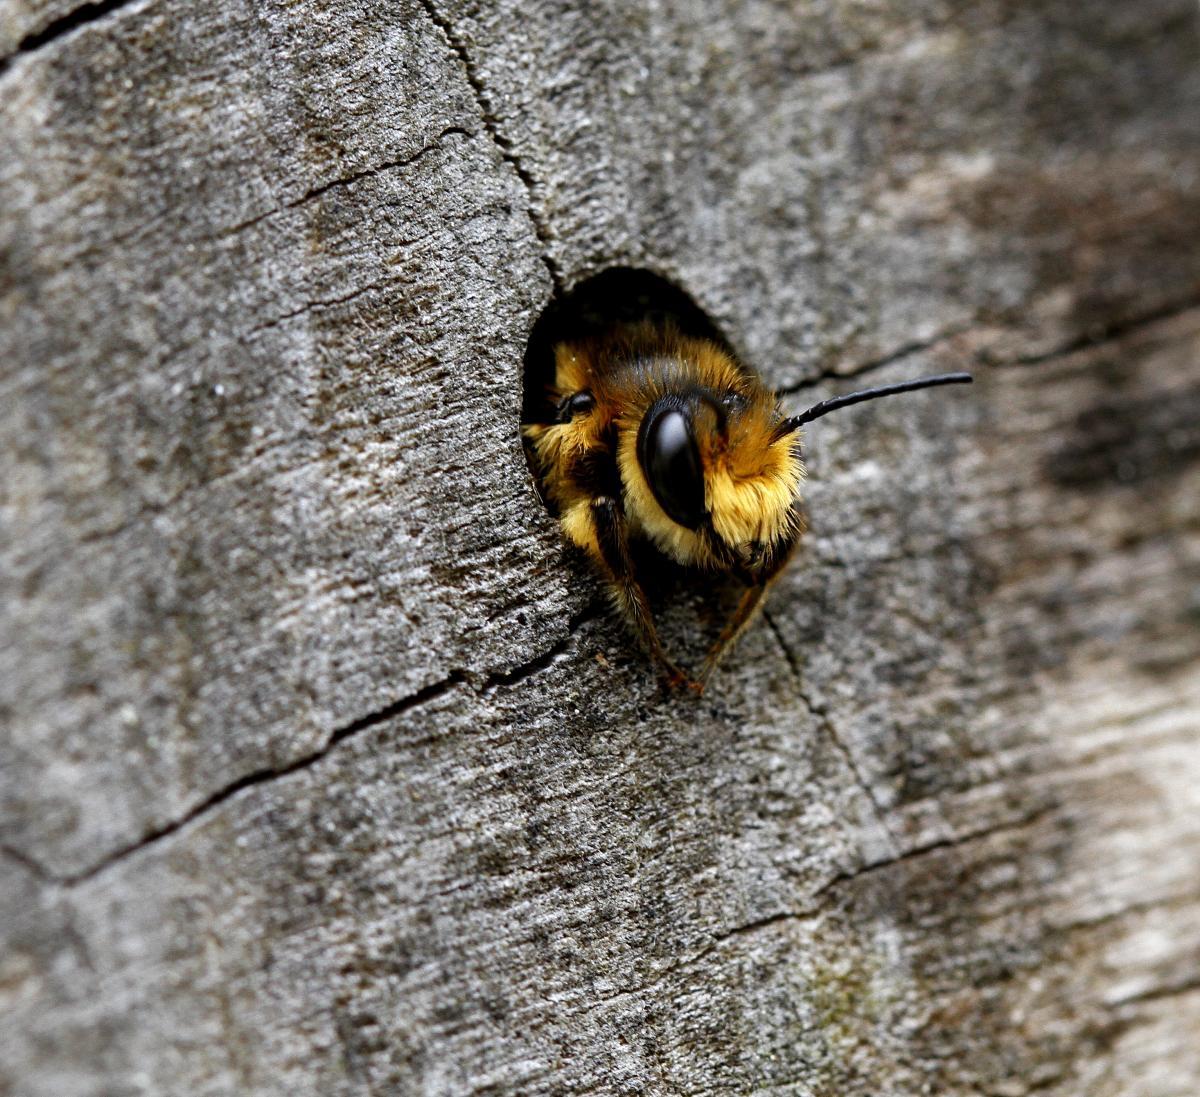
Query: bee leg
[613, 543]
[749, 605]
[751, 602]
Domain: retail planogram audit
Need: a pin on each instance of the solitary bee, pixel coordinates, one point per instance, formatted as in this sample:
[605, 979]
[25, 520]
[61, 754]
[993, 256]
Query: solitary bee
[666, 436]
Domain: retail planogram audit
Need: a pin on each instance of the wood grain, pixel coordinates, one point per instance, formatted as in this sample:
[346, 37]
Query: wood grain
[323, 769]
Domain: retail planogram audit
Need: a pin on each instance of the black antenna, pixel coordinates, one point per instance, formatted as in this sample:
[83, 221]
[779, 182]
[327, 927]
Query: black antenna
[826, 406]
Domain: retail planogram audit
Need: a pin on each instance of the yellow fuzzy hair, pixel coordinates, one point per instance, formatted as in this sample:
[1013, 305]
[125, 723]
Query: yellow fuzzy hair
[751, 478]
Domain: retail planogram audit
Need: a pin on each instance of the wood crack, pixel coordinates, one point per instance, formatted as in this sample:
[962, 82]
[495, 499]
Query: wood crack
[503, 144]
[900, 856]
[312, 306]
[368, 173]
[257, 777]
[24, 860]
[1157, 994]
[765, 922]
[1091, 339]
[953, 842]
[346, 181]
[82, 16]
[507, 679]
[1109, 333]
[906, 350]
[493, 682]
[745, 930]
[822, 715]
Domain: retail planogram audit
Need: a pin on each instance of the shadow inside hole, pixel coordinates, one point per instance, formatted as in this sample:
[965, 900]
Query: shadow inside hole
[613, 298]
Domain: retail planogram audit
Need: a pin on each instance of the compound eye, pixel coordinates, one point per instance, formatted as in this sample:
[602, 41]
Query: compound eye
[572, 405]
[671, 462]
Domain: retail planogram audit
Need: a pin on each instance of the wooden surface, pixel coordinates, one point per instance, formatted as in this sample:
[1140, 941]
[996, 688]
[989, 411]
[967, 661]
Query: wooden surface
[325, 771]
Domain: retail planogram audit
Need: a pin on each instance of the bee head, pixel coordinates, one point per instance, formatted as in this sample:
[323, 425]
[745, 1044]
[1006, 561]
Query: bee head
[718, 473]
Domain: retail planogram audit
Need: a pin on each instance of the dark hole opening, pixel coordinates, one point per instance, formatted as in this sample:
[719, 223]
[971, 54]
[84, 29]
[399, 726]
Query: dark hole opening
[613, 298]
[689, 614]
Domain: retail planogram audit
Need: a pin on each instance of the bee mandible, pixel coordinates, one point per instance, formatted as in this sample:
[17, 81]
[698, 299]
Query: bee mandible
[668, 437]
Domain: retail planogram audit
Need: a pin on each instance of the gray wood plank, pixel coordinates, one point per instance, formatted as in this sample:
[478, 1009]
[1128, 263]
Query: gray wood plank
[323, 768]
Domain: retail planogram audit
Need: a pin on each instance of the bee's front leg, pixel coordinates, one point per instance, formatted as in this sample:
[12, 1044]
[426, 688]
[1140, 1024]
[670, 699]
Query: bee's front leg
[612, 541]
[751, 601]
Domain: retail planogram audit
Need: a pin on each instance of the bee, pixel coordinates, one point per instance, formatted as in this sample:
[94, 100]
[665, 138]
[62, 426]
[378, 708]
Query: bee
[654, 434]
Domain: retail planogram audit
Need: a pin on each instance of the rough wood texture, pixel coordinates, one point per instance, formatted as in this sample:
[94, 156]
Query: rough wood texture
[323, 771]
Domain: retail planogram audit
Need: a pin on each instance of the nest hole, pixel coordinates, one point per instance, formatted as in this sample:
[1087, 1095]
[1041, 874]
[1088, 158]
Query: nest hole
[614, 298]
[689, 612]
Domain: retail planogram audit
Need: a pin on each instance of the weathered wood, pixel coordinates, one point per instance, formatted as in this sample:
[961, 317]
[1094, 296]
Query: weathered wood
[324, 771]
